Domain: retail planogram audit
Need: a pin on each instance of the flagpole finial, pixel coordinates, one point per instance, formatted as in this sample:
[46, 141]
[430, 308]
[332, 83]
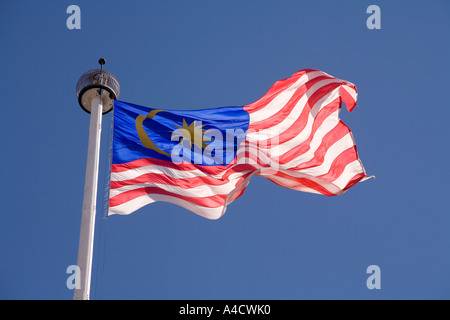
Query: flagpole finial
[98, 82]
[101, 61]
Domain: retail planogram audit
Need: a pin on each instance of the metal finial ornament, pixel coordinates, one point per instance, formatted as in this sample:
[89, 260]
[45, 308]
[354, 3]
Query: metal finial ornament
[98, 82]
[102, 61]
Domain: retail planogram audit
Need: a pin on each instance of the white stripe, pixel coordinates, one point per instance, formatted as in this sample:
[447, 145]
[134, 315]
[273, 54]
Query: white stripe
[293, 184]
[351, 91]
[201, 191]
[295, 112]
[351, 170]
[280, 101]
[329, 123]
[174, 173]
[137, 203]
[315, 143]
[332, 153]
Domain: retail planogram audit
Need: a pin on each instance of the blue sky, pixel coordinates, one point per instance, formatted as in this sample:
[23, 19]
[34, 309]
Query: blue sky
[272, 243]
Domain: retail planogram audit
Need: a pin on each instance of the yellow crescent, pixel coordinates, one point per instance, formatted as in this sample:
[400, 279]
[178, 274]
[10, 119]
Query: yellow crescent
[146, 141]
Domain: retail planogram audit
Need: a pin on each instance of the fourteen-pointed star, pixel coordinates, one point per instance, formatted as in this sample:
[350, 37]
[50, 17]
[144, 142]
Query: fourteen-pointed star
[192, 133]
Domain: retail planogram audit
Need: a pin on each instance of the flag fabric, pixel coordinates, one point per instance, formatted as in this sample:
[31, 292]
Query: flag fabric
[203, 160]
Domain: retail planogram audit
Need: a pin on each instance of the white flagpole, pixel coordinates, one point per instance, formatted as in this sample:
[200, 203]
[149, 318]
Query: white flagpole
[86, 244]
[96, 90]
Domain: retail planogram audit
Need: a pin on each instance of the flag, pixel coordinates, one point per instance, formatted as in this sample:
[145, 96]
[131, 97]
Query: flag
[203, 160]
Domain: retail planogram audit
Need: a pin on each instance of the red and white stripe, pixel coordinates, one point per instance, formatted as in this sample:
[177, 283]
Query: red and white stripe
[295, 139]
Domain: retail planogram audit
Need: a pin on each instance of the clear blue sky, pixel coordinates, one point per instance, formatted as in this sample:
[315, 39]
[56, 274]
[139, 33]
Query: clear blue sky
[272, 243]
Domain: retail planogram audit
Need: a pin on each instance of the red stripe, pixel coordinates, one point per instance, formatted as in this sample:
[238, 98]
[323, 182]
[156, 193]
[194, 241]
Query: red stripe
[184, 183]
[275, 90]
[161, 178]
[357, 178]
[348, 99]
[287, 108]
[238, 184]
[328, 140]
[303, 147]
[210, 202]
[339, 164]
[212, 170]
[300, 123]
[302, 182]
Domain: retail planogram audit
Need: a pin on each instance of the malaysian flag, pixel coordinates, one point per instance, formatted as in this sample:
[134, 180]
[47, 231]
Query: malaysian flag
[203, 160]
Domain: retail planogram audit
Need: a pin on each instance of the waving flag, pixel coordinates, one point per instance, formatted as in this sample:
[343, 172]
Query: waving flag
[203, 160]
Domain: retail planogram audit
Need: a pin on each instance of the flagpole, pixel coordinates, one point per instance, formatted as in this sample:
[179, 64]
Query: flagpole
[86, 244]
[97, 89]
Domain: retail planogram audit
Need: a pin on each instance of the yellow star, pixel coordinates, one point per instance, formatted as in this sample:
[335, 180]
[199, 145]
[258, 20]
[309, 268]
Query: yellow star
[192, 133]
